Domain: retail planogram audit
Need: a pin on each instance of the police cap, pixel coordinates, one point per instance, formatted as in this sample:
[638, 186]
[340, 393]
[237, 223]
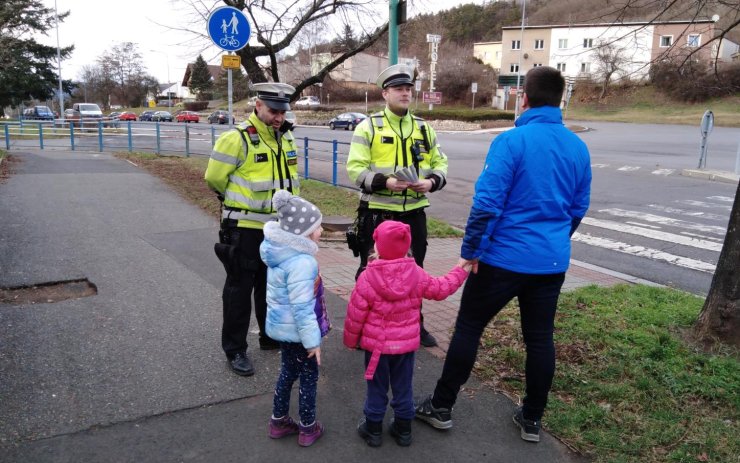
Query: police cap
[275, 95]
[398, 74]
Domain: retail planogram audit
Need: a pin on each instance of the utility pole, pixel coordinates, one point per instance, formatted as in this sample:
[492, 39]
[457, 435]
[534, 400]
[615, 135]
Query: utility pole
[59, 66]
[393, 33]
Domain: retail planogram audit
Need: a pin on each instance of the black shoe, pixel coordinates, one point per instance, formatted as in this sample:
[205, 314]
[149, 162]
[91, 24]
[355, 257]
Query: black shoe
[268, 344]
[401, 431]
[530, 429]
[427, 340]
[241, 365]
[440, 418]
[371, 431]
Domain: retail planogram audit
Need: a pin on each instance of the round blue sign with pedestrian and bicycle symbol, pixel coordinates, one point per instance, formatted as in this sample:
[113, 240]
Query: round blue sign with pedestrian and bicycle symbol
[228, 28]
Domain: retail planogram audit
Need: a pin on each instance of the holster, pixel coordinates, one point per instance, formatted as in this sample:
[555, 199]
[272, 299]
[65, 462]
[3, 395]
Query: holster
[226, 253]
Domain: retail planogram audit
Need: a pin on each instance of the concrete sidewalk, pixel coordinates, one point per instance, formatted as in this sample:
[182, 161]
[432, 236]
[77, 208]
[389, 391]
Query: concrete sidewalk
[135, 372]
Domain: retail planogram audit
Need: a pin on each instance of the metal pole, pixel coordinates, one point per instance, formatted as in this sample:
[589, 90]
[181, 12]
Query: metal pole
[159, 147]
[41, 136]
[59, 66]
[100, 135]
[230, 98]
[187, 140]
[130, 138]
[334, 163]
[393, 33]
[305, 157]
[7, 136]
[519, 64]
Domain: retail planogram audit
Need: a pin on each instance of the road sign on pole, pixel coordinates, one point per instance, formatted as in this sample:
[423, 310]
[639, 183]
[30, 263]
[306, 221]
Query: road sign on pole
[228, 28]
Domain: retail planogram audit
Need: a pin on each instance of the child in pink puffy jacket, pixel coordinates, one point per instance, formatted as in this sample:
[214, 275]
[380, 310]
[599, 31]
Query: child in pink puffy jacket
[383, 318]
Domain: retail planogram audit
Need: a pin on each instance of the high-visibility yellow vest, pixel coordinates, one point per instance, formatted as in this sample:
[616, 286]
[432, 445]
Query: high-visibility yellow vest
[377, 147]
[247, 166]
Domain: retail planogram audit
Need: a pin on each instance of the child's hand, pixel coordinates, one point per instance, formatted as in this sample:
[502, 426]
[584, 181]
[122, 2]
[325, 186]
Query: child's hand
[468, 265]
[316, 351]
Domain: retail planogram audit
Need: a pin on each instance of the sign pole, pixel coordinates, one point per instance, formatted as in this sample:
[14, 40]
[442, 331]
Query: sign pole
[231, 94]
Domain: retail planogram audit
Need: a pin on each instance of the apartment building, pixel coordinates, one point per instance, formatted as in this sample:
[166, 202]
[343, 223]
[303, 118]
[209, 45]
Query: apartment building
[489, 53]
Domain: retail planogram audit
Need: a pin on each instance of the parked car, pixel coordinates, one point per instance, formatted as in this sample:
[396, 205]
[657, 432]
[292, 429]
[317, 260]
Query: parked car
[290, 117]
[146, 116]
[187, 116]
[347, 121]
[38, 113]
[220, 117]
[310, 100]
[162, 116]
[112, 119]
[127, 116]
[88, 111]
[72, 116]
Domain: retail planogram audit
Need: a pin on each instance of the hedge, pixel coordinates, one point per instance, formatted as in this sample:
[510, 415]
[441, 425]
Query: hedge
[465, 115]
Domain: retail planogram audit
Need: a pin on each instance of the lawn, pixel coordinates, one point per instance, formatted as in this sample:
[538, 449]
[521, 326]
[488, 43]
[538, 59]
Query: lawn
[629, 385]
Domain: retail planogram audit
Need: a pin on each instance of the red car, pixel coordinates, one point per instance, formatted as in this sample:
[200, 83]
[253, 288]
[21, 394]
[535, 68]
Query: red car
[187, 116]
[127, 116]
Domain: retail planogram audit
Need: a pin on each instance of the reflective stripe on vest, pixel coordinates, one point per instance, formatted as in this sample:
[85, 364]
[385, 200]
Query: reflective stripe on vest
[254, 216]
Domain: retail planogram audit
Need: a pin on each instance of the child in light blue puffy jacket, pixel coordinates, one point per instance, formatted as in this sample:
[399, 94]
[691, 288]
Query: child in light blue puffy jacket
[296, 312]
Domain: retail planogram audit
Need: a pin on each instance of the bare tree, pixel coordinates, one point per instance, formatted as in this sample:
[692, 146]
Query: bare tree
[277, 24]
[610, 60]
[720, 316]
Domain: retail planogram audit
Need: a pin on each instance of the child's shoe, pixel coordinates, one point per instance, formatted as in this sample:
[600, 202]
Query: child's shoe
[371, 431]
[401, 431]
[307, 435]
[281, 427]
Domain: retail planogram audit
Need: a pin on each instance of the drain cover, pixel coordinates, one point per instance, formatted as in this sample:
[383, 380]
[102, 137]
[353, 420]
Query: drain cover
[44, 293]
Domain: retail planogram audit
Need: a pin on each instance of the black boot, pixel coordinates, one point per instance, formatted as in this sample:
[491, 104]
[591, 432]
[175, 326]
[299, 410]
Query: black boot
[401, 431]
[427, 340]
[371, 431]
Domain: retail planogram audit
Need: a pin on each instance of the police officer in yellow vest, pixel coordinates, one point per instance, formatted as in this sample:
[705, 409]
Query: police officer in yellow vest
[382, 145]
[247, 166]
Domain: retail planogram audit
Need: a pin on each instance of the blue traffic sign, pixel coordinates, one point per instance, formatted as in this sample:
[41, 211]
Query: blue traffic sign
[228, 28]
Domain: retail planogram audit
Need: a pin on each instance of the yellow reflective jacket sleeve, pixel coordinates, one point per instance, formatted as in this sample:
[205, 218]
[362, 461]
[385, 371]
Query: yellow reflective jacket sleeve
[358, 160]
[227, 154]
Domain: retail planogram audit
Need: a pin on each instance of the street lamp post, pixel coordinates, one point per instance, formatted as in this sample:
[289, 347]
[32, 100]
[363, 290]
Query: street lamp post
[167, 57]
[59, 65]
[519, 65]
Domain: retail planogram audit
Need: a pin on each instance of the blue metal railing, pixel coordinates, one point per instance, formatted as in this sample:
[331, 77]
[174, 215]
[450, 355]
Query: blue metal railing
[322, 158]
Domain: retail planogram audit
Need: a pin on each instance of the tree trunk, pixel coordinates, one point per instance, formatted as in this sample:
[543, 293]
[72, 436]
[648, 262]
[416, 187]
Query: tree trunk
[720, 317]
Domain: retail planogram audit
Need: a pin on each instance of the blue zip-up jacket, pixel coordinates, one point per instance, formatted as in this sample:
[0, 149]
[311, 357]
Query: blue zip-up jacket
[534, 190]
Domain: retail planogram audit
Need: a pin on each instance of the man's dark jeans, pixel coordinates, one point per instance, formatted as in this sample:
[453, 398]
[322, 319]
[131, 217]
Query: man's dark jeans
[484, 295]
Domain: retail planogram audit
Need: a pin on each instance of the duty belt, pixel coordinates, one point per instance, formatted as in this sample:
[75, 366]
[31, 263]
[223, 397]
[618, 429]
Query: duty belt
[242, 214]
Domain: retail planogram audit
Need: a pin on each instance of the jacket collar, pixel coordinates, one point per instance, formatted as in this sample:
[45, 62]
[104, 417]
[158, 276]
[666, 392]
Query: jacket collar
[540, 115]
[267, 133]
[301, 244]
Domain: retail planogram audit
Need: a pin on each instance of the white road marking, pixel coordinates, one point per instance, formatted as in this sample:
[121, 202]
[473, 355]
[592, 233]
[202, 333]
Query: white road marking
[643, 225]
[692, 202]
[642, 251]
[629, 168]
[719, 240]
[702, 214]
[726, 199]
[663, 171]
[599, 166]
[653, 234]
[665, 221]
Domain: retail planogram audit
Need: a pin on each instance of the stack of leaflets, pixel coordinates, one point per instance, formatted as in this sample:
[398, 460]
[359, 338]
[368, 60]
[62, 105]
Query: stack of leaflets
[407, 174]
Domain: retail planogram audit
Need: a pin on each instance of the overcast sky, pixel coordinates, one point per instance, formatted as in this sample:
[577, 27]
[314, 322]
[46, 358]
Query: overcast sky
[94, 27]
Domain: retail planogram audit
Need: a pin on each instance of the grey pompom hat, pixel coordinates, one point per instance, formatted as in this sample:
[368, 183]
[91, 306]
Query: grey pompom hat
[295, 214]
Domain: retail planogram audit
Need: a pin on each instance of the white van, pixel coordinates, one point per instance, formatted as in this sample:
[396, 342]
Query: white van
[88, 110]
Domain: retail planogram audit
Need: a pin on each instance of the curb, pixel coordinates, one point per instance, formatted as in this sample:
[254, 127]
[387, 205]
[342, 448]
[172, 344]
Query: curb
[621, 276]
[714, 175]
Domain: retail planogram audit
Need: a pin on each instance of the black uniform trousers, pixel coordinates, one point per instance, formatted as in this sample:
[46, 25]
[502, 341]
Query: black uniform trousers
[371, 218]
[245, 274]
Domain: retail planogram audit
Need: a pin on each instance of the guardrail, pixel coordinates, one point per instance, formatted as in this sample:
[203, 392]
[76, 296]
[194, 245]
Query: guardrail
[322, 158]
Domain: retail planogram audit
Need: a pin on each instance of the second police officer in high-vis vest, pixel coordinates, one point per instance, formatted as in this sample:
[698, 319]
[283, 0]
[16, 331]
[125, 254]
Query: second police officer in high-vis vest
[247, 166]
[383, 144]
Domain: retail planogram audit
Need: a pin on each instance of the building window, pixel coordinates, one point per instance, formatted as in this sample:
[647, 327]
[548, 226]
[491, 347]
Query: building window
[514, 68]
[486, 55]
[516, 45]
[666, 41]
[539, 44]
[585, 67]
[562, 43]
[561, 67]
[694, 40]
[498, 54]
[588, 43]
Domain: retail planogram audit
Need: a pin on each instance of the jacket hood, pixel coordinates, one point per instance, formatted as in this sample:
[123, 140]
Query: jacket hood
[393, 279]
[280, 245]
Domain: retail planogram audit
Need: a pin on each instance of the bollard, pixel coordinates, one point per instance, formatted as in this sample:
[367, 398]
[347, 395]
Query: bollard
[187, 141]
[130, 138]
[707, 123]
[159, 148]
[100, 135]
[334, 163]
[305, 157]
[41, 136]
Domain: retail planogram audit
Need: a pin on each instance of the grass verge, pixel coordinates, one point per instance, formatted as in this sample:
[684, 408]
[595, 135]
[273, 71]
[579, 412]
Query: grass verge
[185, 175]
[628, 387]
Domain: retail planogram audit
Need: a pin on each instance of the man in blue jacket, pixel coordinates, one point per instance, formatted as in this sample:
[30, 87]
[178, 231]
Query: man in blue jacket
[532, 194]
